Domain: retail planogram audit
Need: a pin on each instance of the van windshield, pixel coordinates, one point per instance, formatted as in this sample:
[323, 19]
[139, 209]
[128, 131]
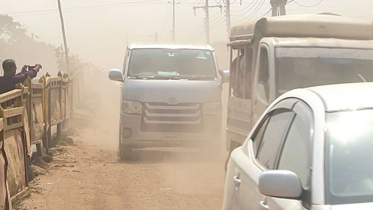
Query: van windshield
[306, 67]
[172, 64]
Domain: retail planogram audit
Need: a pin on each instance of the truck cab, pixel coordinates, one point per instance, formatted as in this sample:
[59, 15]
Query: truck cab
[273, 55]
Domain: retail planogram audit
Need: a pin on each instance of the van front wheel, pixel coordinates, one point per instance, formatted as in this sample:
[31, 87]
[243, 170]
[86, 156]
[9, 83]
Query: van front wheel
[125, 152]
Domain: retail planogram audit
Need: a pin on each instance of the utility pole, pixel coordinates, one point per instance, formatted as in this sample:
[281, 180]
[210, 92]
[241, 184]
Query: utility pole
[228, 16]
[64, 37]
[127, 37]
[173, 21]
[207, 25]
[278, 7]
[207, 19]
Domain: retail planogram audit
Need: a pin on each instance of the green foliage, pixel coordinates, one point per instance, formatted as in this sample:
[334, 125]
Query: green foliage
[75, 62]
[12, 32]
[17, 44]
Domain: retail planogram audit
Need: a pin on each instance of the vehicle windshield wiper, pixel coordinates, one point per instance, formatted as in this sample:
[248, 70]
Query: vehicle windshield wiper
[168, 77]
[164, 77]
[201, 78]
[141, 77]
[137, 77]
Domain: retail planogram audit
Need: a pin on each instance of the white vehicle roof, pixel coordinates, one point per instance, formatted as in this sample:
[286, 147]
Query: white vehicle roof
[345, 96]
[317, 25]
[339, 97]
[171, 46]
[321, 42]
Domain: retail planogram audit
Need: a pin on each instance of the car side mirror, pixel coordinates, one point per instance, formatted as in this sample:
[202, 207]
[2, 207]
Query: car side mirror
[116, 75]
[224, 75]
[280, 184]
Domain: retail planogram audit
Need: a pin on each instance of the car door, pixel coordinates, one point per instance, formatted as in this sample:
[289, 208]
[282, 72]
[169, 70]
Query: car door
[296, 156]
[260, 154]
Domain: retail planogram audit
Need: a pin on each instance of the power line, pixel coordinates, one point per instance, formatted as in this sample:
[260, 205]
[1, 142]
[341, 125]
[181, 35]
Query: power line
[198, 34]
[267, 12]
[297, 6]
[251, 7]
[302, 5]
[206, 9]
[216, 17]
[185, 3]
[257, 9]
[165, 21]
[194, 3]
[217, 23]
[248, 5]
[133, 3]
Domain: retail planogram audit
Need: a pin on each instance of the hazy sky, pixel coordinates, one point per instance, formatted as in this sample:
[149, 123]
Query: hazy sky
[97, 29]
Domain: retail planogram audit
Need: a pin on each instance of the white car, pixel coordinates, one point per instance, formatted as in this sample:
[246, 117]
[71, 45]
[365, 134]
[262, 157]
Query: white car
[311, 149]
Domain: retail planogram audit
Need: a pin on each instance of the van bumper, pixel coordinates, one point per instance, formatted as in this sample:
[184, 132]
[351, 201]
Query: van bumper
[131, 134]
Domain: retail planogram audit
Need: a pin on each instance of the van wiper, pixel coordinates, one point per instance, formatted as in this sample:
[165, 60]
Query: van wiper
[137, 77]
[141, 77]
[202, 78]
[164, 77]
[167, 77]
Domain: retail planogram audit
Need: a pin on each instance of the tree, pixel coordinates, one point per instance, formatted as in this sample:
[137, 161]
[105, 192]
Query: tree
[15, 43]
[75, 62]
[12, 32]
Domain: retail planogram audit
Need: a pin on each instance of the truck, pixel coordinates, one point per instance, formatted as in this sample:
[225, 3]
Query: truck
[273, 55]
[170, 96]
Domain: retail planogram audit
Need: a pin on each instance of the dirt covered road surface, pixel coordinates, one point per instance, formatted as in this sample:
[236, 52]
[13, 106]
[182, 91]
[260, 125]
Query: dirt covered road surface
[85, 172]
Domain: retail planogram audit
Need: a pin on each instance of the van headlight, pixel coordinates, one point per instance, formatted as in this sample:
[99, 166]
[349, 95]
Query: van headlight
[212, 108]
[131, 107]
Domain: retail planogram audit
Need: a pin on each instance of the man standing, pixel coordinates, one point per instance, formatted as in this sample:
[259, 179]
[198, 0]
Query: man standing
[10, 78]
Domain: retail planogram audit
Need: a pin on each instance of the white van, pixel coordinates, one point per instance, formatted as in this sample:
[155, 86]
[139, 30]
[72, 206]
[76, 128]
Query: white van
[171, 96]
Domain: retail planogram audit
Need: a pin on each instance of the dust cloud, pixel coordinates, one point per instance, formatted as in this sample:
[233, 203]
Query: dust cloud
[179, 169]
[102, 111]
[102, 100]
[195, 177]
[101, 108]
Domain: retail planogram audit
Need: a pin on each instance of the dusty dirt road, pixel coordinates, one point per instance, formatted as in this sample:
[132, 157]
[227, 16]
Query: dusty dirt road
[87, 175]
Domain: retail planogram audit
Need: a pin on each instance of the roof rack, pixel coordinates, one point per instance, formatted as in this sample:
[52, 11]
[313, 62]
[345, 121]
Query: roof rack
[316, 25]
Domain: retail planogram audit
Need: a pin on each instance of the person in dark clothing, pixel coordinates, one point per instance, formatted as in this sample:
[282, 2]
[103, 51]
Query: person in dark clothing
[10, 78]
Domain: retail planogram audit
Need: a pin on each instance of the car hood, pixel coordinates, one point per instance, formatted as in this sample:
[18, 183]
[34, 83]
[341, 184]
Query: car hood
[172, 91]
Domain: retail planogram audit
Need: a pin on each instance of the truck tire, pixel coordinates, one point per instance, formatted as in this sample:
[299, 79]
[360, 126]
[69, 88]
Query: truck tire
[125, 152]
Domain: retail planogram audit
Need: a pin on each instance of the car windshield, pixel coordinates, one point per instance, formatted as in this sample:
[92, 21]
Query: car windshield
[307, 67]
[172, 64]
[349, 157]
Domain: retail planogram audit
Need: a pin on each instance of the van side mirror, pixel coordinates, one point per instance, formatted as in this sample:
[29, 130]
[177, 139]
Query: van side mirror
[224, 75]
[116, 75]
[280, 184]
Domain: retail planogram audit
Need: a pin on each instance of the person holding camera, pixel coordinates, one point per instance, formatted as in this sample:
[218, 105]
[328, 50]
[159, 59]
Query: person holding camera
[10, 79]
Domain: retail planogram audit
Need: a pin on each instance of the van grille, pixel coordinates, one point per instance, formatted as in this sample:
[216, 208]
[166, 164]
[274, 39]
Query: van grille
[163, 117]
